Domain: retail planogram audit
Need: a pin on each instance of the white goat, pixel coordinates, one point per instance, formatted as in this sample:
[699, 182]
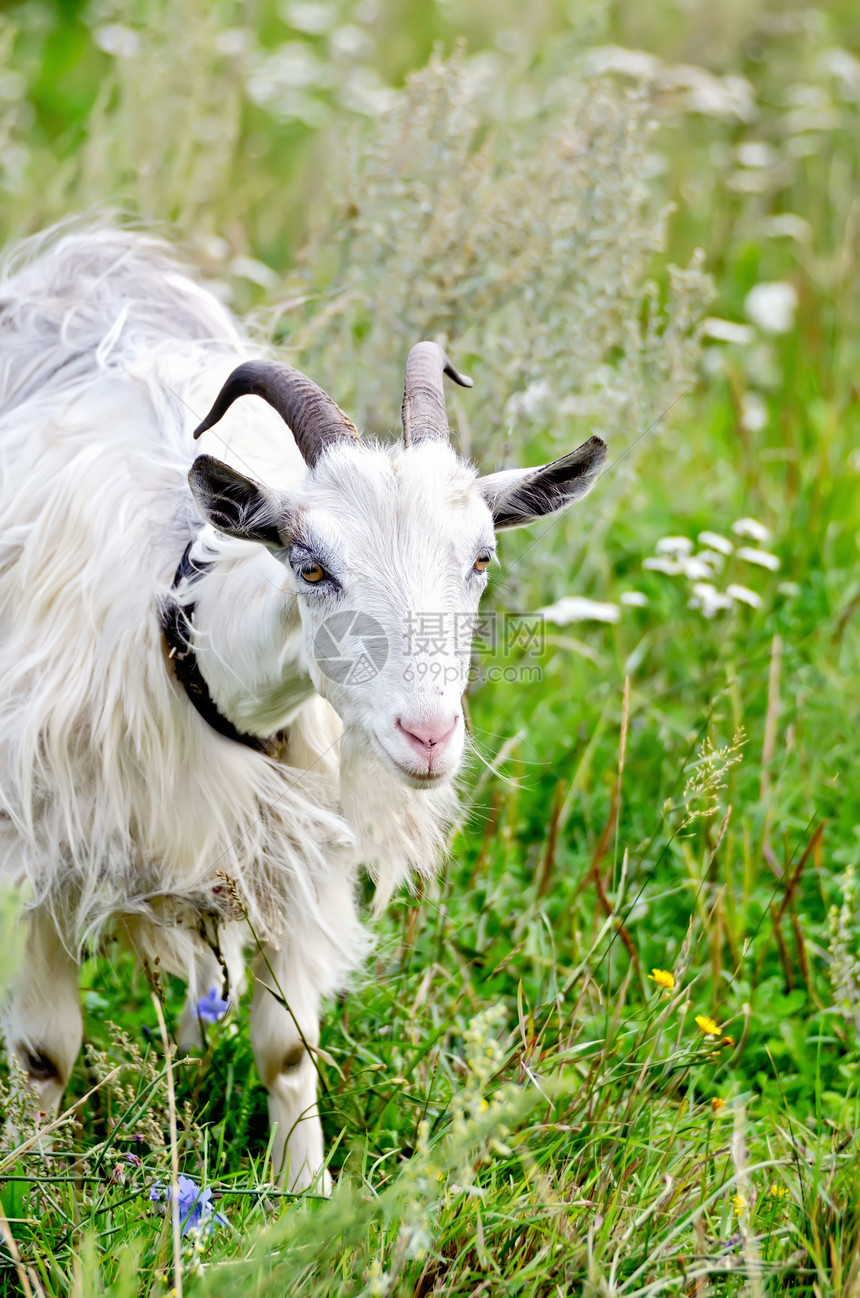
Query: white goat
[200, 753]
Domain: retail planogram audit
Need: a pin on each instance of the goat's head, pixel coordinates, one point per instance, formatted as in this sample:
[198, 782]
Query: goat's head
[388, 548]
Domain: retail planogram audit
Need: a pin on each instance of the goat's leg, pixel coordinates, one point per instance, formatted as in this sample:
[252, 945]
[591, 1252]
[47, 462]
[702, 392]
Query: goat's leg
[42, 1019]
[280, 1038]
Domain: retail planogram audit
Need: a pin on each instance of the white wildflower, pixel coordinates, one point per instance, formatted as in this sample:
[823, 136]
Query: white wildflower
[530, 402]
[752, 528]
[711, 96]
[803, 146]
[805, 95]
[708, 599]
[699, 91]
[753, 153]
[671, 567]
[739, 97]
[309, 17]
[631, 63]
[655, 164]
[803, 122]
[771, 306]
[233, 42]
[713, 560]
[751, 180]
[694, 567]
[212, 247]
[754, 412]
[674, 545]
[634, 598]
[377, 1279]
[362, 91]
[575, 608]
[762, 558]
[714, 541]
[845, 67]
[274, 78]
[727, 331]
[350, 42]
[787, 225]
[116, 39]
[743, 595]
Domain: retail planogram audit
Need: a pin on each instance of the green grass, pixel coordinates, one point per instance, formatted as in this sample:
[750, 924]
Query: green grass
[511, 1104]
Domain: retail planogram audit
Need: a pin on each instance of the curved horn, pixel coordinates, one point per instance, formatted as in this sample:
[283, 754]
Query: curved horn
[316, 422]
[424, 415]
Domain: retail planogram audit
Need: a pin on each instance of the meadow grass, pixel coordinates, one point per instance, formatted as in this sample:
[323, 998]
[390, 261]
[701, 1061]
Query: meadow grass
[614, 1049]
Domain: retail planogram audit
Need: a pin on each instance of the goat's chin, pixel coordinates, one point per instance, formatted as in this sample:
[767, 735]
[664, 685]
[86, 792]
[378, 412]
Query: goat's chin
[400, 820]
[430, 781]
[413, 779]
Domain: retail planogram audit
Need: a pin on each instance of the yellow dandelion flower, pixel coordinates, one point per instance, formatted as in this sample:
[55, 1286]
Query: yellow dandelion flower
[727, 1041]
[708, 1026]
[663, 978]
[778, 1191]
[739, 1204]
[717, 1104]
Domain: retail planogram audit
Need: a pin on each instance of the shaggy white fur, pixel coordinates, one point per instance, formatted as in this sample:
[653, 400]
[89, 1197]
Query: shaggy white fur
[119, 805]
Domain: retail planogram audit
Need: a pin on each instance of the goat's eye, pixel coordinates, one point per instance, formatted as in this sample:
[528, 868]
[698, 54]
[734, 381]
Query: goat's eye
[483, 561]
[312, 573]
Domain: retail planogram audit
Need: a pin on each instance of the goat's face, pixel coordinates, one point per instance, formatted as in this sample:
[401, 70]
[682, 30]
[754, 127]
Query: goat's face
[389, 550]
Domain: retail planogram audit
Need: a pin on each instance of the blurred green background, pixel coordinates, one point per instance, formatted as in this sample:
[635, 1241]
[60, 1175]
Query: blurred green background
[634, 219]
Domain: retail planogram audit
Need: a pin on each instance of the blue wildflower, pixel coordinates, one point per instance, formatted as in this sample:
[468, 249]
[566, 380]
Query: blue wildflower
[211, 1008]
[195, 1204]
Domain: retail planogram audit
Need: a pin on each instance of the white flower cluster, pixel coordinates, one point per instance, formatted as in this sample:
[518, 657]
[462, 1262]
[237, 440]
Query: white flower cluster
[676, 556]
[690, 88]
[770, 306]
[576, 608]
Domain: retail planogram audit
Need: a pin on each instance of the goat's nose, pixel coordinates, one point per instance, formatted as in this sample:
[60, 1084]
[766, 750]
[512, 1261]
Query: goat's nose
[428, 741]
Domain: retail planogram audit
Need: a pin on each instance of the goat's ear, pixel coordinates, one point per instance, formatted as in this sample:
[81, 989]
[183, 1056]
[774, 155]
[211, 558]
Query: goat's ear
[519, 496]
[238, 505]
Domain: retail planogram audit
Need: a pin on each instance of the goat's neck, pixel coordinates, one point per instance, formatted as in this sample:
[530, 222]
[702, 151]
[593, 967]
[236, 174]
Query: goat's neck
[247, 637]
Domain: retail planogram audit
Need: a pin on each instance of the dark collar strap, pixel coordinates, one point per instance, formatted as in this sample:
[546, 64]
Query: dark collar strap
[176, 626]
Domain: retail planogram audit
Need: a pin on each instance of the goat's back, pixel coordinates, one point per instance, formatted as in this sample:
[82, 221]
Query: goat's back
[77, 301]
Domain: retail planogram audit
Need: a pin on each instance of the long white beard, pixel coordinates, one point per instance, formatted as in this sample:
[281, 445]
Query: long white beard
[401, 831]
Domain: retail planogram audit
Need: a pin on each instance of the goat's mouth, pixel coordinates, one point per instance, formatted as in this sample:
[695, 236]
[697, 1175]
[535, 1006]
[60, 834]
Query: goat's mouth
[414, 778]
